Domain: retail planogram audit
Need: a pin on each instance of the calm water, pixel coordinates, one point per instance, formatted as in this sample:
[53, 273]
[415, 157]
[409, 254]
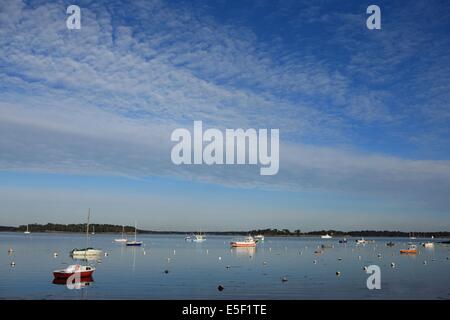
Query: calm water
[195, 270]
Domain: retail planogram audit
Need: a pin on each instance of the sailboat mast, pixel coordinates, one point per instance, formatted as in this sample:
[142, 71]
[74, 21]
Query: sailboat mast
[135, 230]
[87, 228]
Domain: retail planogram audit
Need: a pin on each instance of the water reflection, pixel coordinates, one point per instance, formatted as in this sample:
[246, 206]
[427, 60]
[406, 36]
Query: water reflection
[82, 283]
[244, 251]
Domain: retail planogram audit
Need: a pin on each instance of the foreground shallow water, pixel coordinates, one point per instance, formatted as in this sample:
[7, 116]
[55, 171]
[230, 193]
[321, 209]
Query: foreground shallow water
[167, 267]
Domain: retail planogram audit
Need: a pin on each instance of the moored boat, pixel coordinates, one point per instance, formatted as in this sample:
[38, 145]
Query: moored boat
[134, 243]
[428, 244]
[259, 237]
[327, 236]
[247, 242]
[27, 231]
[361, 241]
[198, 238]
[412, 249]
[123, 239]
[82, 271]
[88, 251]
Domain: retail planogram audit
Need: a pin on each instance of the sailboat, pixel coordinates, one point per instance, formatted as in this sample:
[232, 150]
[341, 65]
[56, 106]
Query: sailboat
[88, 251]
[134, 242]
[123, 239]
[93, 230]
[27, 231]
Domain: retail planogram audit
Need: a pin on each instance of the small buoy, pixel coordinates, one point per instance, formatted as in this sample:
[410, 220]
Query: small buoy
[264, 262]
[144, 252]
[392, 265]
[220, 258]
[106, 254]
[338, 273]
[168, 259]
[379, 255]
[301, 252]
[10, 250]
[284, 279]
[425, 262]
[340, 259]
[359, 257]
[13, 264]
[365, 268]
[174, 252]
[220, 287]
[166, 271]
[55, 254]
[228, 267]
[315, 261]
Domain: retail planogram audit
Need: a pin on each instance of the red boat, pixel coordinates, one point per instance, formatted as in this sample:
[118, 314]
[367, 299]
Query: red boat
[247, 242]
[82, 271]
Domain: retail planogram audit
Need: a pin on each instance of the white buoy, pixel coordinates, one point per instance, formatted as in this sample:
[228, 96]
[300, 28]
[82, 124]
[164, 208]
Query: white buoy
[425, 262]
[174, 252]
[315, 261]
[106, 254]
[55, 254]
[13, 264]
[365, 268]
[359, 257]
[220, 258]
[392, 265]
[143, 251]
[338, 273]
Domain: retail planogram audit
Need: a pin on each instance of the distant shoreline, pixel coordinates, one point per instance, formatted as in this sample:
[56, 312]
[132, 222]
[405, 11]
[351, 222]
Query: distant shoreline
[116, 229]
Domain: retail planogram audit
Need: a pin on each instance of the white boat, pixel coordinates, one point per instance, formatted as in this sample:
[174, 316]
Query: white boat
[123, 239]
[327, 236]
[88, 251]
[27, 231]
[247, 242]
[134, 242]
[259, 237]
[428, 244]
[85, 252]
[361, 241]
[199, 238]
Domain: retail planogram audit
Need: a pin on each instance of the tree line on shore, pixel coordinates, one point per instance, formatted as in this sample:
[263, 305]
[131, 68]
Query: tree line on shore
[110, 228]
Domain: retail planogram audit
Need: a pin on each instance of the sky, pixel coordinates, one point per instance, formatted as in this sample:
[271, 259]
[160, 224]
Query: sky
[86, 115]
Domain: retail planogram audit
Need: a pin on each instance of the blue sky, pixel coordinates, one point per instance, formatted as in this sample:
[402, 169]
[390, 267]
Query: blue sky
[86, 115]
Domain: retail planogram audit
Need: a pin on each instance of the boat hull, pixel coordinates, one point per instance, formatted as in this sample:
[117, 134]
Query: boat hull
[406, 251]
[65, 275]
[134, 244]
[242, 245]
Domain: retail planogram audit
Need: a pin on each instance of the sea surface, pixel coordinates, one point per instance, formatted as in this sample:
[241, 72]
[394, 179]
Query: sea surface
[168, 267]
